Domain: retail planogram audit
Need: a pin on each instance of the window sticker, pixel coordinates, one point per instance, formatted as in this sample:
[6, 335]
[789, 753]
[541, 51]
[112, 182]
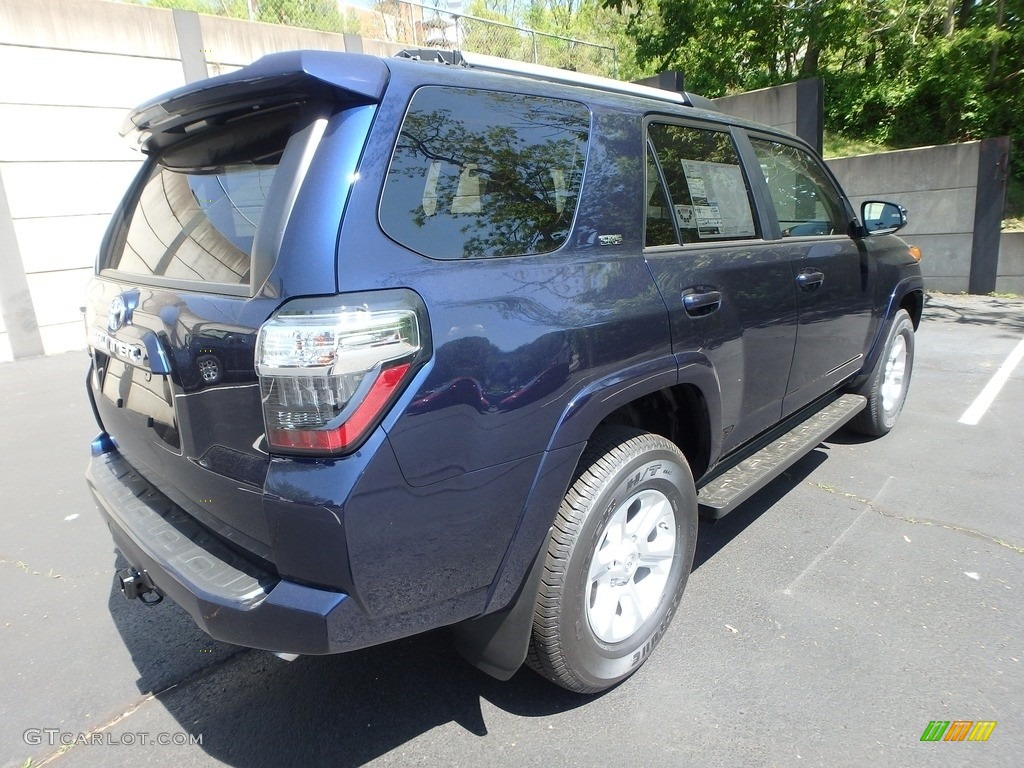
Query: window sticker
[719, 197]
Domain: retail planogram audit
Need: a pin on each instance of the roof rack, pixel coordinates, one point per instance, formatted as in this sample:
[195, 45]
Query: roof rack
[551, 74]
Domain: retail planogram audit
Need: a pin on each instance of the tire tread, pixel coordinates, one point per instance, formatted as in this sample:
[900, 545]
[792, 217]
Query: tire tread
[611, 447]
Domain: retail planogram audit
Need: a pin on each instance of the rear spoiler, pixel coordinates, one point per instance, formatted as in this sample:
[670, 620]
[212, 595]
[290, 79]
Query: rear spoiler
[275, 80]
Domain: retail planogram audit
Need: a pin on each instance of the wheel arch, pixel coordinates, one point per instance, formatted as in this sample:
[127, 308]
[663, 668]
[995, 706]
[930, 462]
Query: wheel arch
[680, 400]
[678, 413]
[684, 389]
[913, 302]
[908, 294]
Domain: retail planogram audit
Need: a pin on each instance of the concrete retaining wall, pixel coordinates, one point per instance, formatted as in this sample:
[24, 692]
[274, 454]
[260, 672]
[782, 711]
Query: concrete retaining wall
[938, 187]
[1010, 277]
[71, 71]
[798, 108]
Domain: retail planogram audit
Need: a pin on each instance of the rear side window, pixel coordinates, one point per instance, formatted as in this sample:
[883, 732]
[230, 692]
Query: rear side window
[706, 189]
[483, 174]
[806, 201]
[197, 213]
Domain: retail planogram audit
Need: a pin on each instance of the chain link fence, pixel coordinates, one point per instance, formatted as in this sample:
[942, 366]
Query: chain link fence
[417, 26]
[425, 26]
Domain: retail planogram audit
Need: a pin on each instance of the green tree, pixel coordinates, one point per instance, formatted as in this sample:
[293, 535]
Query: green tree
[899, 72]
[231, 8]
[311, 14]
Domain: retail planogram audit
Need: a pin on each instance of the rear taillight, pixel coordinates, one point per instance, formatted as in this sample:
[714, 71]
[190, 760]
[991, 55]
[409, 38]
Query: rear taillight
[330, 368]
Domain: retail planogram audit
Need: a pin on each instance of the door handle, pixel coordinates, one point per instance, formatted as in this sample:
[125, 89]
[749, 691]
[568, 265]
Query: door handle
[810, 279]
[704, 303]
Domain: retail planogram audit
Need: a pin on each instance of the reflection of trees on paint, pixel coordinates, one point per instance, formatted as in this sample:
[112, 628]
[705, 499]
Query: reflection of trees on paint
[480, 174]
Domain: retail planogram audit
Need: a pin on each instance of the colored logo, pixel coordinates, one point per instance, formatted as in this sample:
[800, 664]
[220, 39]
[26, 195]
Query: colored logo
[958, 730]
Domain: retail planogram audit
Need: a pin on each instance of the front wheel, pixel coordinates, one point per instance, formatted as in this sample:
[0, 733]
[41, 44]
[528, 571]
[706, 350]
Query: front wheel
[617, 561]
[886, 388]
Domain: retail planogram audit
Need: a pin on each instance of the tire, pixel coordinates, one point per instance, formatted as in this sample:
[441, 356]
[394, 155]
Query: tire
[617, 561]
[886, 388]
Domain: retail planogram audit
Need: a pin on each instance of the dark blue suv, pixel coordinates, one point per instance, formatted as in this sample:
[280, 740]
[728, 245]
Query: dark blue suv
[380, 346]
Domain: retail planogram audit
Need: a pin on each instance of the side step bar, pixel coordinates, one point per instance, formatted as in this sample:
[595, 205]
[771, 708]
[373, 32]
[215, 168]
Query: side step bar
[734, 486]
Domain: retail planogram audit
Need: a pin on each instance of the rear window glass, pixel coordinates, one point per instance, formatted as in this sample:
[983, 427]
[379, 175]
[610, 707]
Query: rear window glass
[482, 174]
[197, 226]
[197, 213]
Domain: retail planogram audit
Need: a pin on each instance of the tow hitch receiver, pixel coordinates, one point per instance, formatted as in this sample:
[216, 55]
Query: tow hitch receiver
[138, 585]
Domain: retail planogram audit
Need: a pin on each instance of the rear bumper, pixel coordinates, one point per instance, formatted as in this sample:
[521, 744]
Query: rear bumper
[231, 598]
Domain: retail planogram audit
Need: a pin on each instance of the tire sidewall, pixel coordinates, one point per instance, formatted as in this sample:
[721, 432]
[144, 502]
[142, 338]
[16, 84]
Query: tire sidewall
[902, 326]
[594, 661]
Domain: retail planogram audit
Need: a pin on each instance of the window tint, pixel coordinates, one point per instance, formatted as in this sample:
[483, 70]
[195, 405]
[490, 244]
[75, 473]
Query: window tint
[197, 213]
[480, 174]
[660, 229]
[806, 201]
[197, 226]
[706, 186]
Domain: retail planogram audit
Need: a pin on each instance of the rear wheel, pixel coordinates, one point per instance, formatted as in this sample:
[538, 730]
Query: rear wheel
[616, 563]
[886, 388]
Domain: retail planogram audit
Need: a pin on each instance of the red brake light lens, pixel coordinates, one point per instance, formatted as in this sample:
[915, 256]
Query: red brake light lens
[329, 371]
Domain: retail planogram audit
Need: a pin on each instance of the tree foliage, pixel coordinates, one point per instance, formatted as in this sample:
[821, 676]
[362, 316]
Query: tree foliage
[897, 72]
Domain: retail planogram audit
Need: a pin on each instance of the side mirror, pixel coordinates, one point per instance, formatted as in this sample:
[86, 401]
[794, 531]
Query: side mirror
[881, 218]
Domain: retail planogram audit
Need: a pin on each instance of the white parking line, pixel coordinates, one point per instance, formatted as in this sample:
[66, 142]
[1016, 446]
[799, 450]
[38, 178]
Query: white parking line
[982, 402]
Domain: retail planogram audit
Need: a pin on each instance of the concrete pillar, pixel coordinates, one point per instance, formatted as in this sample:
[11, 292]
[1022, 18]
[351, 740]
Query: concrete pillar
[190, 44]
[810, 112]
[15, 300]
[990, 202]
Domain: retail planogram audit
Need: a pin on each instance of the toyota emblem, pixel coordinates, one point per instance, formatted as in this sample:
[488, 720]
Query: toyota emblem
[118, 314]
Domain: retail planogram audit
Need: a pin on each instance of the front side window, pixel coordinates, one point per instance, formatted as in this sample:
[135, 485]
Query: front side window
[708, 192]
[806, 201]
[483, 174]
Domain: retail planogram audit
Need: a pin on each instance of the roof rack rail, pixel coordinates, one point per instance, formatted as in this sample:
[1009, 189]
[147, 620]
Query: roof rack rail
[551, 74]
[434, 55]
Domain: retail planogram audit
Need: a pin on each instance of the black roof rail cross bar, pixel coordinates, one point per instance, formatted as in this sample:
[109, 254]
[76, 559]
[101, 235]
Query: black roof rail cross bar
[433, 55]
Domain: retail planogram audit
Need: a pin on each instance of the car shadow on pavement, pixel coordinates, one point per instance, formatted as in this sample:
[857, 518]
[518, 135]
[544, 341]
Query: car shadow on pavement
[253, 709]
[1001, 313]
[714, 535]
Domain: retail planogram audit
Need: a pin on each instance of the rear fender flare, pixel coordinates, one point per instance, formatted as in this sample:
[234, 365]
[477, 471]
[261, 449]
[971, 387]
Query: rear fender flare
[497, 642]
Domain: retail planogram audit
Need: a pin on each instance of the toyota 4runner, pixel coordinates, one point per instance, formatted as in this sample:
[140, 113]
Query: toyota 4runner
[379, 346]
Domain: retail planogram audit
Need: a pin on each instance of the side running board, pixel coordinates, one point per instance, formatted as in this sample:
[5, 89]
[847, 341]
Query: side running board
[734, 486]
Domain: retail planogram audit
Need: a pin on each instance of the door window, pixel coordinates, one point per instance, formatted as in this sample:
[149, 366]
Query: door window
[707, 194]
[806, 201]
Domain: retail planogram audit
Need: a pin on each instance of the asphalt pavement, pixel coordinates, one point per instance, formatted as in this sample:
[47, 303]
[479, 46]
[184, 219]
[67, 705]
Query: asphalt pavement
[876, 587]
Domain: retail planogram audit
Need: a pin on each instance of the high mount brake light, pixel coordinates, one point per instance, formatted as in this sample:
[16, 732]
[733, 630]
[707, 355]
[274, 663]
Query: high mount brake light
[330, 368]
